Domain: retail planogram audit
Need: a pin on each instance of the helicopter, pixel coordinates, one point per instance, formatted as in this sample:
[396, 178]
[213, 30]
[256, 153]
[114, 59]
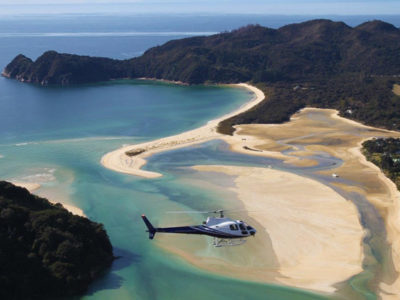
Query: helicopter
[225, 231]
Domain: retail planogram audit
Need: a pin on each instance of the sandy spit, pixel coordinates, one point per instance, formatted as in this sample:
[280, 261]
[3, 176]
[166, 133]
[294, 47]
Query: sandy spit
[118, 160]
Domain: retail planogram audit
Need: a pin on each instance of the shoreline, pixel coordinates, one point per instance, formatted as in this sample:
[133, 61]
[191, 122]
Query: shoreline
[162, 80]
[119, 161]
[391, 216]
[31, 187]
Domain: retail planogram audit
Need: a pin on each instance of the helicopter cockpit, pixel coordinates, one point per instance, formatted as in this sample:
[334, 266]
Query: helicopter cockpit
[227, 225]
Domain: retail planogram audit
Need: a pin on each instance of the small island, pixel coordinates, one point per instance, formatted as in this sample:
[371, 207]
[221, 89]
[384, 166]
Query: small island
[47, 252]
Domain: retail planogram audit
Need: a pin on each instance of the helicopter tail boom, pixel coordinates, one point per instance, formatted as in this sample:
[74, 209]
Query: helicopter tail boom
[151, 230]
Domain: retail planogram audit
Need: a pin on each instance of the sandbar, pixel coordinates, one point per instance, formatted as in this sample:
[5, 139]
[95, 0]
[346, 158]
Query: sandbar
[312, 228]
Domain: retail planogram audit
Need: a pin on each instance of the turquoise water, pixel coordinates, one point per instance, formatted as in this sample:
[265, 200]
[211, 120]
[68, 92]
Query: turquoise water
[56, 137]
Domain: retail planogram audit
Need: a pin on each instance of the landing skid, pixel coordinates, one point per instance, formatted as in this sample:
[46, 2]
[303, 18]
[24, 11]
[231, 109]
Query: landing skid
[227, 242]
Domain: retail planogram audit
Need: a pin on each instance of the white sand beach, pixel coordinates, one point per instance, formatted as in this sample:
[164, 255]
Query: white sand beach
[27, 185]
[31, 187]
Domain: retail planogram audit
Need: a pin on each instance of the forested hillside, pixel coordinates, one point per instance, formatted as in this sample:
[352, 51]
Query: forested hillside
[45, 251]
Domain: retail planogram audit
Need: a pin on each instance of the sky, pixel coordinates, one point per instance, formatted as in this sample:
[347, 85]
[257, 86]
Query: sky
[285, 7]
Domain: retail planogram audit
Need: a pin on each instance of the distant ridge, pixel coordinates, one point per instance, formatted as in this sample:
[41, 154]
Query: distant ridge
[318, 55]
[302, 51]
[377, 26]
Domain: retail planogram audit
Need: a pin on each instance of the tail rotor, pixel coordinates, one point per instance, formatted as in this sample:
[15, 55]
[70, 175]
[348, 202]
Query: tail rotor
[150, 229]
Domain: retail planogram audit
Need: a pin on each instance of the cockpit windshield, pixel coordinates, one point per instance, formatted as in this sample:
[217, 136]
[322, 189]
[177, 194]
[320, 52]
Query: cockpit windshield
[233, 227]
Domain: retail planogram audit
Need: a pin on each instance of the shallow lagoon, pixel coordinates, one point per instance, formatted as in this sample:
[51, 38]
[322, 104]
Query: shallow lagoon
[56, 137]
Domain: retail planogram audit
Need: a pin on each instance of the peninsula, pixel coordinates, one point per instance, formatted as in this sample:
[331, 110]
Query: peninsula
[318, 63]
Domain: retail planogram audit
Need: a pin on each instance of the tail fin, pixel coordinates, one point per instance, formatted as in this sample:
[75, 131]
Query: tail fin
[151, 230]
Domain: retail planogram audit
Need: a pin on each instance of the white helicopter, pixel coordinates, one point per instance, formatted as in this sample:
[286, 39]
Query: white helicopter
[226, 232]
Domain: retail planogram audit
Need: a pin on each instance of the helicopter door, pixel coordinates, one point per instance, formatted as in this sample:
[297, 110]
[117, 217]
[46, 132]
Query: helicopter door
[233, 227]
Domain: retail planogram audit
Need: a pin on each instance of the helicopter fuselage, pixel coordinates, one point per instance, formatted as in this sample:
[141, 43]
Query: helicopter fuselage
[222, 228]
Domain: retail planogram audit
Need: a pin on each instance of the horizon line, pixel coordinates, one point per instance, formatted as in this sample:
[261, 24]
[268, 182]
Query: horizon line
[193, 13]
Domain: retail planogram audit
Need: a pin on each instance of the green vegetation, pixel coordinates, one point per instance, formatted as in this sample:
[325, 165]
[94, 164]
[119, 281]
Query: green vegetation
[64, 69]
[361, 98]
[135, 152]
[47, 252]
[316, 63]
[309, 51]
[385, 153]
[281, 102]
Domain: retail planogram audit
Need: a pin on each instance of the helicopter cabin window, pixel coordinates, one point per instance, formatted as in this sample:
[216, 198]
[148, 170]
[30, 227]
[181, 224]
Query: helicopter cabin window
[242, 227]
[233, 227]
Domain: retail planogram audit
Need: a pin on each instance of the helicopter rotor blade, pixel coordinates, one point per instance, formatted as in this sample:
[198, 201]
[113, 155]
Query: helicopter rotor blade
[186, 212]
[196, 211]
[217, 211]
